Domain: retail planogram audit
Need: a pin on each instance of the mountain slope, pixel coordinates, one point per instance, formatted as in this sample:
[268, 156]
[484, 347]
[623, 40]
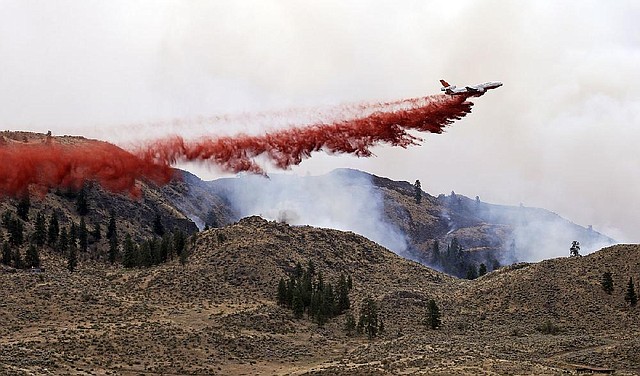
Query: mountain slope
[386, 212]
[218, 314]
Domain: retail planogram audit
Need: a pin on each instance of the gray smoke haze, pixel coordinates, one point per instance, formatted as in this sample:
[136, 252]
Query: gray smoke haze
[343, 200]
[560, 134]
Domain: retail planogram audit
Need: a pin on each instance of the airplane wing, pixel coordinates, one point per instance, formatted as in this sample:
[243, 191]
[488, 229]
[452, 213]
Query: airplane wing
[472, 89]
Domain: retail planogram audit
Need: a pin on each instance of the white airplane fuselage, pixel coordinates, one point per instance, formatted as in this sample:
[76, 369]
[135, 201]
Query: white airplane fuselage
[474, 90]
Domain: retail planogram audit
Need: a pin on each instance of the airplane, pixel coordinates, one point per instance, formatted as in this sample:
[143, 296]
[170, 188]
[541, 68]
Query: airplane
[475, 90]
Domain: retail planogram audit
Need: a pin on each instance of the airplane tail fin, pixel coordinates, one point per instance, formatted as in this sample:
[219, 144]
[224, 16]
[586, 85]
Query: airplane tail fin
[444, 83]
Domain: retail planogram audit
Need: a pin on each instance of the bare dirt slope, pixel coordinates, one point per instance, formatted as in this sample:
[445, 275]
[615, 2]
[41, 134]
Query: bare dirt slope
[218, 314]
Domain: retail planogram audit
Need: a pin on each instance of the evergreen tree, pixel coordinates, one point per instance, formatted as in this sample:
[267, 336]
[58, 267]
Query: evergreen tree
[63, 241]
[482, 270]
[298, 271]
[111, 229]
[166, 247]
[83, 235]
[17, 259]
[113, 249]
[435, 256]
[631, 296]
[327, 307]
[381, 327]
[40, 231]
[343, 295]
[6, 253]
[179, 241]
[349, 282]
[72, 259]
[145, 257]
[297, 305]
[130, 254]
[96, 233]
[417, 191]
[184, 256]
[607, 282]
[54, 229]
[16, 232]
[158, 228]
[433, 315]
[282, 292]
[23, 207]
[472, 272]
[82, 206]
[350, 324]
[73, 235]
[368, 321]
[32, 258]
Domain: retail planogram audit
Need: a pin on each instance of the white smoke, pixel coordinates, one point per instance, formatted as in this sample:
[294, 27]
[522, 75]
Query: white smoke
[343, 200]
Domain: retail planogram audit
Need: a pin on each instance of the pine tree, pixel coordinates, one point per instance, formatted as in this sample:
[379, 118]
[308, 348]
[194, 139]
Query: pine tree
[631, 296]
[158, 228]
[17, 259]
[96, 233]
[179, 241]
[349, 282]
[282, 292]
[607, 282]
[83, 235]
[63, 241]
[23, 207]
[472, 272]
[184, 256]
[435, 255]
[72, 259]
[16, 232]
[54, 230]
[73, 235]
[166, 247]
[6, 253]
[482, 270]
[350, 324]
[297, 305]
[130, 254]
[82, 206]
[433, 315]
[113, 249]
[343, 295]
[111, 229]
[368, 321]
[145, 257]
[32, 258]
[40, 231]
[417, 191]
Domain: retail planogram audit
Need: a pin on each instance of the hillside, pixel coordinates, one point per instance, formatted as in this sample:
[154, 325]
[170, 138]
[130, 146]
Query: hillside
[218, 314]
[386, 211]
[133, 215]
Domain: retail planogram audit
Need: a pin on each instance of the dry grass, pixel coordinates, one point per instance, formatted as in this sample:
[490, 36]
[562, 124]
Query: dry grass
[218, 315]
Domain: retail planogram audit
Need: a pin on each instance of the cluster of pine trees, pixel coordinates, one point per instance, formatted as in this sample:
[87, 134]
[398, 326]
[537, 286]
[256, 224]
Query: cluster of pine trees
[74, 238]
[453, 261]
[630, 295]
[154, 251]
[306, 292]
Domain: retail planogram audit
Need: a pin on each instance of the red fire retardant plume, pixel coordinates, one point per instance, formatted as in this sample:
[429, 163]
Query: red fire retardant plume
[41, 166]
[51, 165]
[290, 146]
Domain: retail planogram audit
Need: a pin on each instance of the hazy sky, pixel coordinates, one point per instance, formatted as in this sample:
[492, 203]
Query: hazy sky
[562, 132]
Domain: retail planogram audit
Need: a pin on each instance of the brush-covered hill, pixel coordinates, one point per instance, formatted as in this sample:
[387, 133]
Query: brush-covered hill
[218, 314]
